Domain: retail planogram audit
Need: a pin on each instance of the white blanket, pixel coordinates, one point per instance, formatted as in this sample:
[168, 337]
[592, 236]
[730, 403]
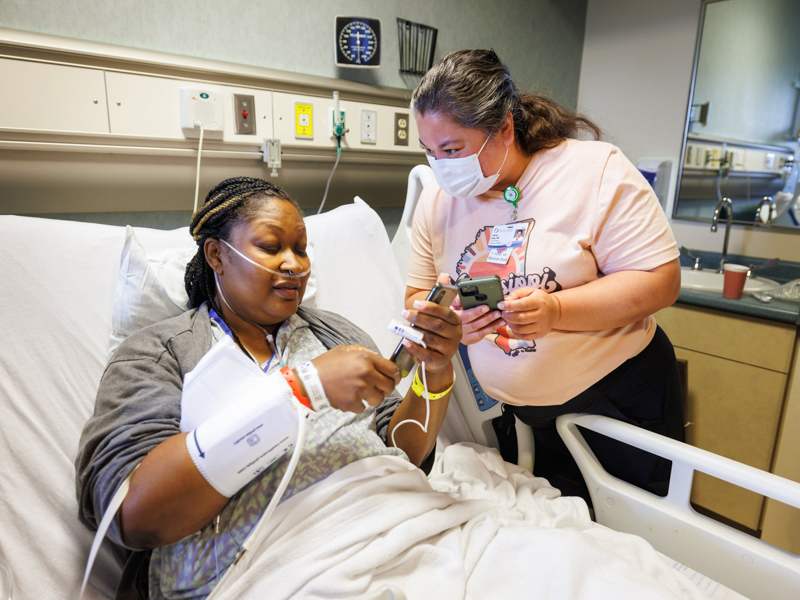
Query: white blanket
[477, 528]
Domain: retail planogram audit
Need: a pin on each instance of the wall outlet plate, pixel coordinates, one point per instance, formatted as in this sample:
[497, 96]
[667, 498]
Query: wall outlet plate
[244, 114]
[401, 129]
[369, 126]
[303, 121]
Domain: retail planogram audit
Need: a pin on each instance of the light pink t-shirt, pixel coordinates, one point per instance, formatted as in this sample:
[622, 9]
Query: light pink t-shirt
[586, 211]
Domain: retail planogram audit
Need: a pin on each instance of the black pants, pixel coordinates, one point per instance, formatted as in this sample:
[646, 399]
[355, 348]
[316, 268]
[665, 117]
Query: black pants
[645, 391]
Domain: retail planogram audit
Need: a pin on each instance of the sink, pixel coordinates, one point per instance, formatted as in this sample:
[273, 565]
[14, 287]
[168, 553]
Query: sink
[709, 280]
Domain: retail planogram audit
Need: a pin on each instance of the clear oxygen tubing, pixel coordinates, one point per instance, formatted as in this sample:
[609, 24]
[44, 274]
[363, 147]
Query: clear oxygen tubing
[199, 154]
[269, 337]
[287, 275]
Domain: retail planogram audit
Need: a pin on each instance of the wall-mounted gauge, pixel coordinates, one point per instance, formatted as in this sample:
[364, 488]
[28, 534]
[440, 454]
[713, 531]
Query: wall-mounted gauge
[358, 42]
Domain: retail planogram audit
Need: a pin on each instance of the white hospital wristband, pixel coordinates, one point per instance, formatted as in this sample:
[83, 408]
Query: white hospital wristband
[308, 374]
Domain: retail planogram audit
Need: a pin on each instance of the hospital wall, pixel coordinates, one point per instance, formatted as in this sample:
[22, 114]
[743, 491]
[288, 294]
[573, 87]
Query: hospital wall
[540, 40]
[635, 82]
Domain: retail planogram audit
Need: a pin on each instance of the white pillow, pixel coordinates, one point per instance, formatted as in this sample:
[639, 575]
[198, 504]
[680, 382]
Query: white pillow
[150, 286]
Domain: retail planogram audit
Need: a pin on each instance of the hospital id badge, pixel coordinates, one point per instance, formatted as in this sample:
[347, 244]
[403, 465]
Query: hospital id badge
[503, 241]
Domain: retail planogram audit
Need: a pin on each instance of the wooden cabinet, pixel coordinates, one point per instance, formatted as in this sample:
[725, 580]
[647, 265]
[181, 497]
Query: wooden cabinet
[738, 370]
[781, 524]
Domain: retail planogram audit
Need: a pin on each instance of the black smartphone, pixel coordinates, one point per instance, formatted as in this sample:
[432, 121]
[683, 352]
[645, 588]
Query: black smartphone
[475, 291]
[442, 294]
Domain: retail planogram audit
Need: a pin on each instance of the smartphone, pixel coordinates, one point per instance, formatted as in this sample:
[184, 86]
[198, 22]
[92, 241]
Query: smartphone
[475, 291]
[442, 294]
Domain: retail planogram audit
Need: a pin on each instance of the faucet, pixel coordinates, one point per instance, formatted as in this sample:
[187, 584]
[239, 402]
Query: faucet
[714, 220]
[696, 266]
[771, 204]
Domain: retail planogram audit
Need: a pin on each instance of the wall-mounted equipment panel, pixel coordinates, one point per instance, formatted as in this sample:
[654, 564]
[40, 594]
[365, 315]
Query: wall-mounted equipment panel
[369, 126]
[147, 106]
[49, 97]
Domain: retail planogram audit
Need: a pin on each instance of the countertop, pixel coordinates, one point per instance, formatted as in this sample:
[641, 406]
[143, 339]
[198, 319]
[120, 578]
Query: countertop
[784, 311]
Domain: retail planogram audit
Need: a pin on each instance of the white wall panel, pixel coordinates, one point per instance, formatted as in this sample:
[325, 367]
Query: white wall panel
[51, 97]
[149, 106]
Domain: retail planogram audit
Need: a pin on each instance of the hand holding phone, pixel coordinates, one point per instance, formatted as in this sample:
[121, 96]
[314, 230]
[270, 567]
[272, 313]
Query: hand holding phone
[442, 294]
[477, 291]
[474, 293]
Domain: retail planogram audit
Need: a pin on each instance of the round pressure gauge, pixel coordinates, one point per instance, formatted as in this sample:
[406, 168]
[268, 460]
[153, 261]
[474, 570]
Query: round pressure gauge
[358, 42]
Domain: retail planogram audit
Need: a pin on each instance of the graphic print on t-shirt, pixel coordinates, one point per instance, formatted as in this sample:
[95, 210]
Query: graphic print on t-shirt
[475, 262]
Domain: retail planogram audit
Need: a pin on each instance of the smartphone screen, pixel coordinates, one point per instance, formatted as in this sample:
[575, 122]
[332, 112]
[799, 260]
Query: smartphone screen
[442, 294]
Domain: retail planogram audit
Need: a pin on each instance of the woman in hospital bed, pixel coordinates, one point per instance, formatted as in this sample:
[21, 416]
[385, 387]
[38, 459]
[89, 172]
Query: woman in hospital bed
[187, 512]
[358, 518]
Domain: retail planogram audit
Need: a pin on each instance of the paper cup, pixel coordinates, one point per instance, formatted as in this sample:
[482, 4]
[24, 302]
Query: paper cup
[733, 284]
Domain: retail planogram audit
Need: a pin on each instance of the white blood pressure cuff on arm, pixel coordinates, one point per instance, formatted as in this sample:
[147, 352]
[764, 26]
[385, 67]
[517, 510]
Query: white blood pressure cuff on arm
[239, 420]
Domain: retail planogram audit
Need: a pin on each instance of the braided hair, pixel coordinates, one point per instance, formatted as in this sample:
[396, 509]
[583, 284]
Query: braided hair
[233, 201]
[474, 89]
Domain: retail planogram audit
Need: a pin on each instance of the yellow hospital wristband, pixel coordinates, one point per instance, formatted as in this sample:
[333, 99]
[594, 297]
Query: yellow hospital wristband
[419, 388]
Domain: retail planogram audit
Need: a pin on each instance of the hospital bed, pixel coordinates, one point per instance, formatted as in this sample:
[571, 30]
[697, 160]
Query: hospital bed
[70, 290]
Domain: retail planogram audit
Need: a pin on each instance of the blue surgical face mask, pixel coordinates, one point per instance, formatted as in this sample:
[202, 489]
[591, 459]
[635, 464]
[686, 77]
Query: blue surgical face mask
[463, 177]
[285, 274]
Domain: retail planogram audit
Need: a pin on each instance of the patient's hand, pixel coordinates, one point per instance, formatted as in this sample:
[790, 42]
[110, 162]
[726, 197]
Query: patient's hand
[441, 327]
[350, 374]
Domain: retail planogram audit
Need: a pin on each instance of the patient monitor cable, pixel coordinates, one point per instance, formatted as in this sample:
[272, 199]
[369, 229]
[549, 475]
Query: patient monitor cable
[420, 387]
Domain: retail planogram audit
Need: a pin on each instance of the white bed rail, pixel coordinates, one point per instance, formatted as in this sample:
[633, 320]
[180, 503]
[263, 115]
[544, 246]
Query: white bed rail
[739, 561]
[418, 178]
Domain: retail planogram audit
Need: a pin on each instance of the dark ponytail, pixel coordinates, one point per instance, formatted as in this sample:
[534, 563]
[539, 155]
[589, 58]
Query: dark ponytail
[476, 91]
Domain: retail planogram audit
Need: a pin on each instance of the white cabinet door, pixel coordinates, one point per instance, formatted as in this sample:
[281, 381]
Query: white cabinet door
[41, 96]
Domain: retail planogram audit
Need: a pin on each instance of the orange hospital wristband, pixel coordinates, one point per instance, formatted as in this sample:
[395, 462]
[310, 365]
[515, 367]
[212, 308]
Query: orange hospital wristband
[288, 375]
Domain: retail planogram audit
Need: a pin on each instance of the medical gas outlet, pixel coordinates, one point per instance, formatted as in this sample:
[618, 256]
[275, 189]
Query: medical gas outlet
[336, 128]
[303, 121]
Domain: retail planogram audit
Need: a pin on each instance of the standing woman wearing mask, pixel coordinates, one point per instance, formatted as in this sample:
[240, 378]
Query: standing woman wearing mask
[575, 332]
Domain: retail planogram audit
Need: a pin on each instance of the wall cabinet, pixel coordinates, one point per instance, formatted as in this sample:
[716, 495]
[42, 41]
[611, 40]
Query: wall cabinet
[738, 369]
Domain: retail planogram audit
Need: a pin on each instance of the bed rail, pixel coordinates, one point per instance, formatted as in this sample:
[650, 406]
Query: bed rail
[739, 561]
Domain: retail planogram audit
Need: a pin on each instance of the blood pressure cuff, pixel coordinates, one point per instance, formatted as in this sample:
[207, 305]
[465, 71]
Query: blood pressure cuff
[236, 444]
[239, 420]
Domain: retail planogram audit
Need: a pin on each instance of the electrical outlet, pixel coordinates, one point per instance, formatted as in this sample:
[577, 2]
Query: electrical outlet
[244, 113]
[401, 129]
[369, 126]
